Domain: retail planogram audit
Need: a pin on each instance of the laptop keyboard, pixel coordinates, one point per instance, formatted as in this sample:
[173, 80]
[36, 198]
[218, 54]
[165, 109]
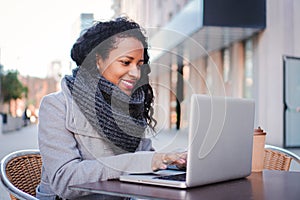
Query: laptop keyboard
[176, 177]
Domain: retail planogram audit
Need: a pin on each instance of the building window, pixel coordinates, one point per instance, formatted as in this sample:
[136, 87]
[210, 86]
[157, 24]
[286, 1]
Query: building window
[226, 65]
[173, 99]
[248, 81]
[186, 72]
[227, 70]
[209, 77]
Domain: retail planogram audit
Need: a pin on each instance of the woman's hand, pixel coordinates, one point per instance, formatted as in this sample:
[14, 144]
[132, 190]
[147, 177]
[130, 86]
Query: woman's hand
[162, 160]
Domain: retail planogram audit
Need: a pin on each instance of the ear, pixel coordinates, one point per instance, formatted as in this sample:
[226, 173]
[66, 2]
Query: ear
[99, 63]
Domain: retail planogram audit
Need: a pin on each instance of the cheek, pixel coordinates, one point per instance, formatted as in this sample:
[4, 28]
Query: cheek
[112, 75]
[109, 76]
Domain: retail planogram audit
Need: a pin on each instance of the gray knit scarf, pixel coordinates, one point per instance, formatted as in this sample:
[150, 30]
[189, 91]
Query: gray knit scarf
[116, 116]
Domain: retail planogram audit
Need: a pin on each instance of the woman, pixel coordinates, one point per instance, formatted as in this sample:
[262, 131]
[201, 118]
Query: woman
[94, 128]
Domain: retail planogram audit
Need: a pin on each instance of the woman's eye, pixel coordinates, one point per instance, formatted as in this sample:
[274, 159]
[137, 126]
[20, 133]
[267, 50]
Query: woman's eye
[125, 62]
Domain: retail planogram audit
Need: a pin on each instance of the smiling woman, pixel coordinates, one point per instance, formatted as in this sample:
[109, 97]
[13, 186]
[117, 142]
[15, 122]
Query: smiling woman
[95, 127]
[122, 67]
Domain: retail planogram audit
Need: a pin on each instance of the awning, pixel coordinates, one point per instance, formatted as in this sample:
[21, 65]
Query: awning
[206, 25]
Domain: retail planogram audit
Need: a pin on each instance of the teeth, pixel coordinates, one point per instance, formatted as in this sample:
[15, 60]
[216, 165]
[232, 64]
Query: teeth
[127, 83]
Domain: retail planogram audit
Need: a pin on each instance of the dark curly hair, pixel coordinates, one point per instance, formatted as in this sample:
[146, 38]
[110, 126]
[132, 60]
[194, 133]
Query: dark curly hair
[101, 38]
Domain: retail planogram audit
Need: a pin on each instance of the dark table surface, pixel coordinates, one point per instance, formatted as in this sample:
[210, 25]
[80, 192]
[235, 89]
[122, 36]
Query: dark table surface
[269, 185]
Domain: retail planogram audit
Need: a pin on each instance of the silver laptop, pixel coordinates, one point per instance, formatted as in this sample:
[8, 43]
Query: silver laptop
[219, 146]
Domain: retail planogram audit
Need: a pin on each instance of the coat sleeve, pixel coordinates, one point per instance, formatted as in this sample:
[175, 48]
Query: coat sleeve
[62, 160]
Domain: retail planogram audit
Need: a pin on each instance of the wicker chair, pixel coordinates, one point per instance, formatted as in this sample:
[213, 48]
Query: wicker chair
[20, 173]
[277, 158]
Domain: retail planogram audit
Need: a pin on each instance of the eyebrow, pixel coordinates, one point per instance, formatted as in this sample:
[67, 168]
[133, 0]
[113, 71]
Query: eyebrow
[132, 58]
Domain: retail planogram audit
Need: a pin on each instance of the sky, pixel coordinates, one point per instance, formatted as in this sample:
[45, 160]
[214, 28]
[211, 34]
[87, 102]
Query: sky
[33, 33]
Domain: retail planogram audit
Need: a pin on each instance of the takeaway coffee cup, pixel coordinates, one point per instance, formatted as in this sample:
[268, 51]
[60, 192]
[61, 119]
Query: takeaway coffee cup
[258, 151]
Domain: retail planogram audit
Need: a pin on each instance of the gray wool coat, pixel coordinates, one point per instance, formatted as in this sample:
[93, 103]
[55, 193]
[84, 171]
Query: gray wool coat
[73, 153]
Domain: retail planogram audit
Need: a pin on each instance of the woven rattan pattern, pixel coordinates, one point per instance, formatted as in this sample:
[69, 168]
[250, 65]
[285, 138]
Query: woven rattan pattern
[276, 161]
[24, 172]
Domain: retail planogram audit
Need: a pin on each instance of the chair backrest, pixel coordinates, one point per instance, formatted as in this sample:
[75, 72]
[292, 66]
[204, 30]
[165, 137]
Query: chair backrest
[21, 173]
[277, 158]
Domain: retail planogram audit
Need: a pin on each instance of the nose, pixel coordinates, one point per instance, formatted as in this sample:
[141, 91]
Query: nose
[134, 71]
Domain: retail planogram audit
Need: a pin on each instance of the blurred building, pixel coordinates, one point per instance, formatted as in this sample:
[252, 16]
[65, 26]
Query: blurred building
[55, 70]
[37, 89]
[84, 21]
[233, 48]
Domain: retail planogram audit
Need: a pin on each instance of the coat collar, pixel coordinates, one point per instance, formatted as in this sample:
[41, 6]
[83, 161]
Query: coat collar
[75, 120]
